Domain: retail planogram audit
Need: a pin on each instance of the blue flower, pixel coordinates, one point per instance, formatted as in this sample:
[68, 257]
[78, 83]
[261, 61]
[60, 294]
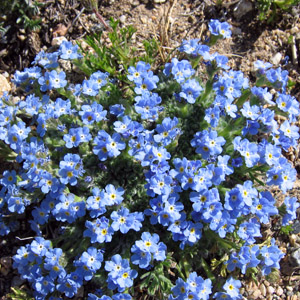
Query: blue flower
[137, 73]
[181, 289]
[44, 285]
[249, 230]
[92, 259]
[219, 28]
[291, 205]
[147, 84]
[121, 297]
[264, 207]
[208, 143]
[232, 287]
[70, 169]
[261, 67]
[40, 215]
[69, 51]
[40, 246]
[278, 78]
[77, 136]
[140, 257]
[16, 134]
[96, 203]
[122, 220]
[107, 146]
[46, 60]
[62, 107]
[17, 204]
[120, 275]
[117, 110]
[212, 116]
[263, 95]
[90, 88]
[271, 255]
[190, 90]
[99, 78]
[181, 70]
[67, 286]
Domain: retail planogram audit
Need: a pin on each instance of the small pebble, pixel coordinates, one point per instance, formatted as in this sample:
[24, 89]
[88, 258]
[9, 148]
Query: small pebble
[135, 3]
[144, 20]
[22, 37]
[58, 40]
[123, 19]
[279, 291]
[270, 290]
[275, 60]
[256, 294]
[263, 289]
[242, 8]
[294, 258]
[266, 283]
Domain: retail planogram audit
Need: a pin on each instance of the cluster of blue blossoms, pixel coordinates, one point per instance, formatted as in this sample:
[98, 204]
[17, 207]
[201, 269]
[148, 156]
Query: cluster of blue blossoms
[185, 195]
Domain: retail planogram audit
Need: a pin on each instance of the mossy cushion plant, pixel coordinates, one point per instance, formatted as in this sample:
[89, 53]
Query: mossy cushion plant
[146, 182]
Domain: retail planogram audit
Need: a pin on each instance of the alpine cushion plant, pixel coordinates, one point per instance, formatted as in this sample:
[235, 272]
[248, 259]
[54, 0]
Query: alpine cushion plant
[135, 183]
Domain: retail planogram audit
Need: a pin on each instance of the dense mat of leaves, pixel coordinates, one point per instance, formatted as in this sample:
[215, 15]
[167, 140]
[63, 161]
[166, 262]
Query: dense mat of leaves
[147, 180]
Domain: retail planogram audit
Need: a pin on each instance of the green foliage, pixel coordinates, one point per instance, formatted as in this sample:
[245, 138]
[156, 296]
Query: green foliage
[23, 11]
[156, 282]
[286, 230]
[119, 53]
[18, 294]
[268, 9]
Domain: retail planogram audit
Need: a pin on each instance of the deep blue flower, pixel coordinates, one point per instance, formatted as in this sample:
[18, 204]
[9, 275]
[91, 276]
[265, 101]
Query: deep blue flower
[107, 146]
[219, 28]
[69, 51]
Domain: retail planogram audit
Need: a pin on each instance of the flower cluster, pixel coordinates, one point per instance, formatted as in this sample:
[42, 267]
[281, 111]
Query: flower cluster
[136, 177]
[120, 274]
[195, 287]
[147, 249]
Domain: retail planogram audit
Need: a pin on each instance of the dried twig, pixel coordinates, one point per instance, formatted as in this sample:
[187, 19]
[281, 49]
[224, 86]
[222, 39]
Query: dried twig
[101, 19]
[294, 51]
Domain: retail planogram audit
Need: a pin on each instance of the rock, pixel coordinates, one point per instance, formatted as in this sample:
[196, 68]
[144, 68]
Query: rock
[294, 258]
[4, 85]
[143, 20]
[135, 3]
[293, 239]
[275, 60]
[22, 37]
[236, 31]
[58, 40]
[270, 290]
[60, 30]
[159, 1]
[242, 8]
[256, 294]
[122, 19]
[296, 227]
[279, 291]
[266, 283]
[263, 290]
[6, 262]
